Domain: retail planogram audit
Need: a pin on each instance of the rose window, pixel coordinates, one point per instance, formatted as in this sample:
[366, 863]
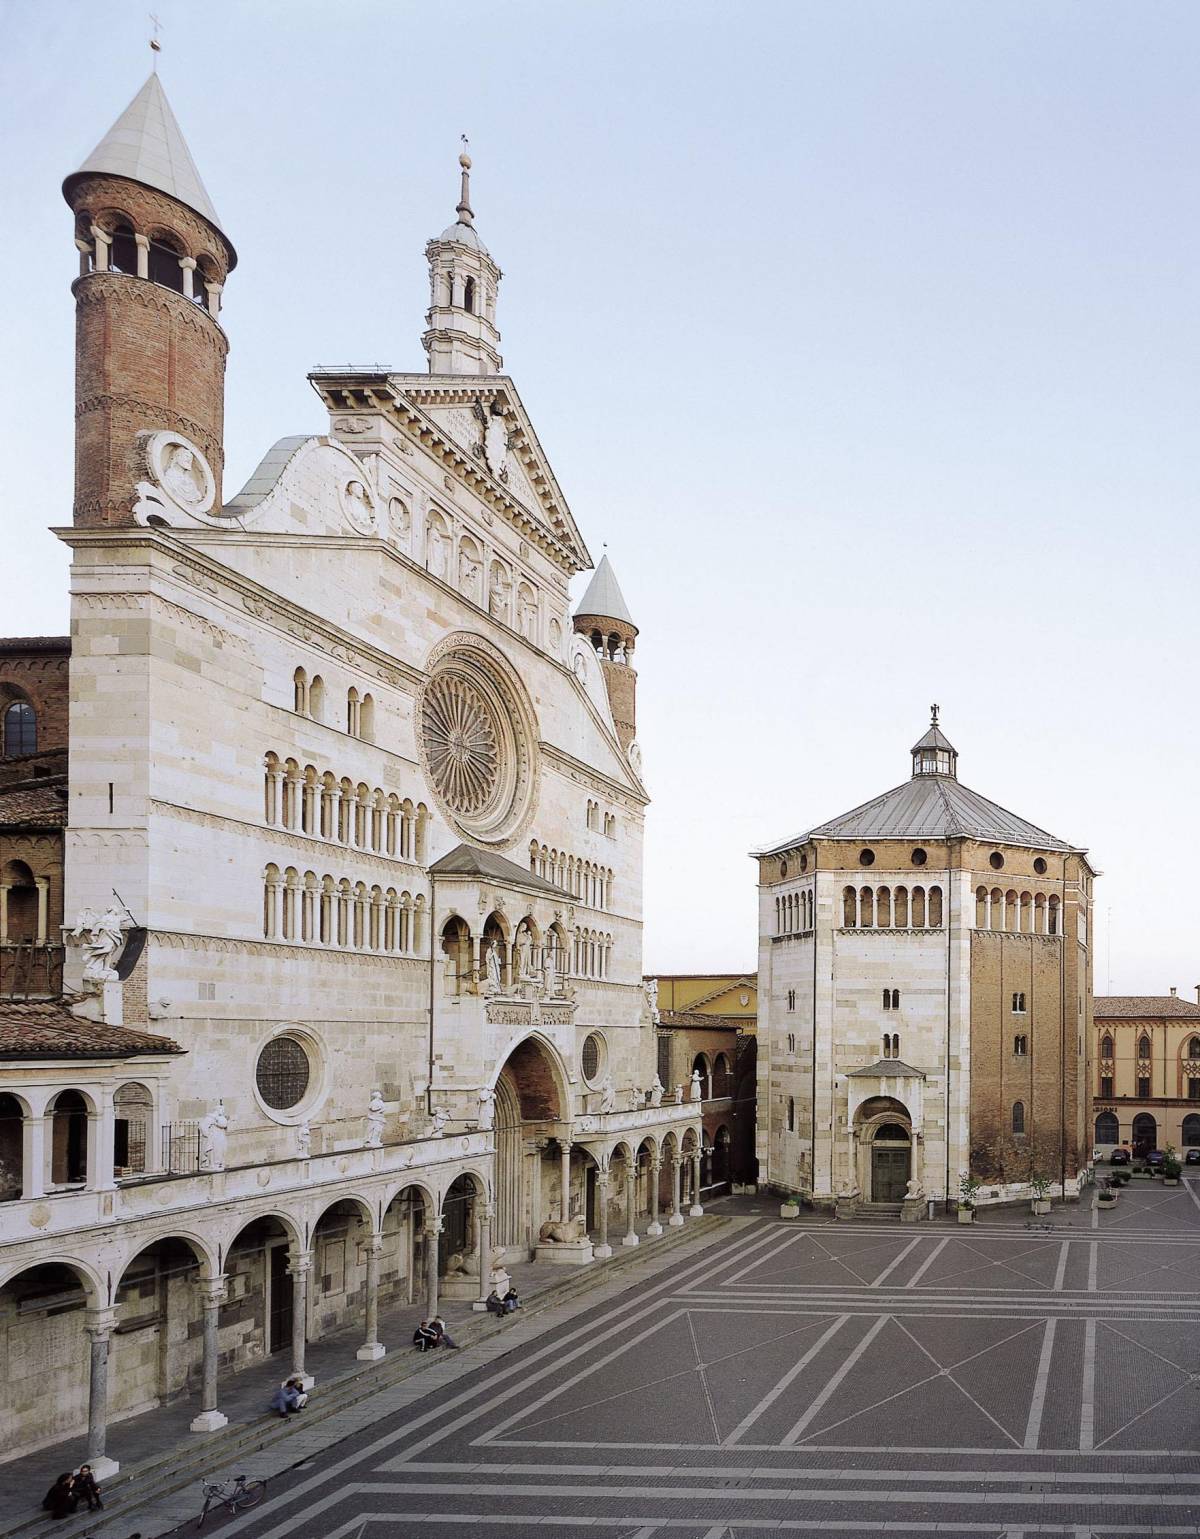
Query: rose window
[462, 744]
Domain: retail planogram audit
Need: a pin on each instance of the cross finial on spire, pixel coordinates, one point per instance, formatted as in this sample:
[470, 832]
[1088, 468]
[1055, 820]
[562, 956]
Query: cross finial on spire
[155, 45]
[465, 215]
[933, 715]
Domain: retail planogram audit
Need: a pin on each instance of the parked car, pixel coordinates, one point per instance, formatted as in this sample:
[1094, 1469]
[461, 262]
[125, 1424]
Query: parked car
[1121, 1157]
[1156, 1159]
[1192, 1157]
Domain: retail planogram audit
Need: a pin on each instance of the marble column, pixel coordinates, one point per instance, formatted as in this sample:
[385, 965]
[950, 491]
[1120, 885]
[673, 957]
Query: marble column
[630, 1237]
[212, 1292]
[655, 1227]
[372, 1348]
[33, 1155]
[565, 1204]
[696, 1211]
[432, 1230]
[602, 1251]
[483, 1249]
[99, 1325]
[299, 1266]
[676, 1218]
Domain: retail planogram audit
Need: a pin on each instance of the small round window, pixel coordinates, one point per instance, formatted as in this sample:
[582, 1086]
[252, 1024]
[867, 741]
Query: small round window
[866, 857]
[783, 870]
[592, 1057]
[804, 862]
[1039, 866]
[919, 857]
[995, 860]
[283, 1073]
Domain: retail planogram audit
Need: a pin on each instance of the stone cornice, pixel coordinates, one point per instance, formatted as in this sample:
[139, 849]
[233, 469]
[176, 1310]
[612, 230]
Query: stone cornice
[184, 940]
[585, 774]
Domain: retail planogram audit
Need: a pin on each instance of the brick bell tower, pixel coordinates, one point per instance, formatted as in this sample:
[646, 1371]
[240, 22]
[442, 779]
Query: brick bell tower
[149, 349]
[603, 617]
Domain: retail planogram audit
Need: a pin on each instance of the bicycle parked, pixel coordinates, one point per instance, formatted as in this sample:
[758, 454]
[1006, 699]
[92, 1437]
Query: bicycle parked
[233, 1497]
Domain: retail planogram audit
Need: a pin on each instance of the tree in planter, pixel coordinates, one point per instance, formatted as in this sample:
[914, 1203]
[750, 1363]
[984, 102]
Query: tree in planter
[968, 1189]
[1172, 1169]
[1039, 1185]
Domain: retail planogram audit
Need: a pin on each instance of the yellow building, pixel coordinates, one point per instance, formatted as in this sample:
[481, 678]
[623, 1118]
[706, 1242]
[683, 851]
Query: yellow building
[1146, 1092]
[707, 1025]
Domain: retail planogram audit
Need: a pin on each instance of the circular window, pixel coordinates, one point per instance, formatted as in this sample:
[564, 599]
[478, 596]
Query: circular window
[919, 857]
[804, 862]
[283, 1073]
[591, 1060]
[783, 870]
[866, 857]
[995, 860]
[1039, 866]
[475, 735]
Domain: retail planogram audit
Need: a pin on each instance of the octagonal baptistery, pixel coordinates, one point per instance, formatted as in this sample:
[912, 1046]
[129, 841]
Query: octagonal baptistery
[925, 975]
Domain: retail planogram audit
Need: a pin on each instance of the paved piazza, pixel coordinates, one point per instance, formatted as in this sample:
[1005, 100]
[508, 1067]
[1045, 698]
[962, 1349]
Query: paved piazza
[844, 1378]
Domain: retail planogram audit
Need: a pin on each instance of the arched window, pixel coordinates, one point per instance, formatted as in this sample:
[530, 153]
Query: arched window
[20, 729]
[68, 1156]
[469, 295]
[935, 907]
[300, 692]
[849, 916]
[122, 250]
[12, 1166]
[791, 1042]
[366, 718]
[1106, 1046]
[133, 1110]
[163, 266]
[353, 709]
[791, 1114]
[1144, 1049]
[22, 913]
[1018, 1117]
[1191, 1130]
[720, 1075]
[1018, 1004]
[1194, 1048]
[1108, 1130]
[316, 698]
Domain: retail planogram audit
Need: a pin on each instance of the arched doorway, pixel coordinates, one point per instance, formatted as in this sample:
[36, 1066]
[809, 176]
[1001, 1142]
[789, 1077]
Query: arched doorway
[1145, 1134]
[530, 1100]
[891, 1162]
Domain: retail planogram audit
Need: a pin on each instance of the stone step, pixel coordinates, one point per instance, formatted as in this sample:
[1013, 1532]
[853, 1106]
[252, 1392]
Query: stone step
[883, 1212]
[181, 1465]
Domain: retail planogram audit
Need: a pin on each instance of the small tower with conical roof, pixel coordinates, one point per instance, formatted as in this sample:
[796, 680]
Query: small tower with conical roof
[461, 335]
[603, 617]
[934, 754]
[149, 349]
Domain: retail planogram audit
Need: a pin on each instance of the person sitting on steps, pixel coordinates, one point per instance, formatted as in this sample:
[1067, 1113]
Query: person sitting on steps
[425, 1337]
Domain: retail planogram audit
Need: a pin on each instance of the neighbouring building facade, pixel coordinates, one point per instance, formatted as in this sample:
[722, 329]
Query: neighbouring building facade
[925, 1004]
[353, 1008]
[706, 1031]
[1146, 1085]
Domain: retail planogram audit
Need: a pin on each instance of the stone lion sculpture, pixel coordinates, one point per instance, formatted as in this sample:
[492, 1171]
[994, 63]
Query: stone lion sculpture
[557, 1232]
[463, 1263]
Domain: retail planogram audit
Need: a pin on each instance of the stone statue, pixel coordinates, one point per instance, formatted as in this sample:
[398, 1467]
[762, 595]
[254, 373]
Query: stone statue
[436, 545]
[608, 1095]
[528, 615]
[398, 517]
[102, 935]
[913, 1190]
[487, 1109]
[651, 988]
[468, 574]
[696, 1092]
[493, 983]
[214, 1131]
[374, 1139]
[656, 1092]
[303, 1140]
[498, 591]
[440, 1118]
[560, 1232]
[462, 1263]
[554, 971]
[524, 954]
[679, 1095]
[358, 507]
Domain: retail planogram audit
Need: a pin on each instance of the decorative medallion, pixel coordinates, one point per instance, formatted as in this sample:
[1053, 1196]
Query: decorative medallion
[181, 481]
[358, 507]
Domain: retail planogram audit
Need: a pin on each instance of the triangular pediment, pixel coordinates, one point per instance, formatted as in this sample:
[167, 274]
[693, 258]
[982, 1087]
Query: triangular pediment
[481, 432]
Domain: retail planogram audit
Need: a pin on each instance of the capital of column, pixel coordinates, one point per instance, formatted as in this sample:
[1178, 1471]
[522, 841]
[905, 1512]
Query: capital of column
[373, 1244]
[142, 240]
[212, 1292]
[100, 1323]
[486, 1213]
[433, 1227]
[299, 1263]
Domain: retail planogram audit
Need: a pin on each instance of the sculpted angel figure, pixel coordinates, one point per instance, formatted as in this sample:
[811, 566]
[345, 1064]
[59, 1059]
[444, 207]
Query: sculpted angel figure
[102, 935]
[375, 1120]
[440, 1118]
[651, 988]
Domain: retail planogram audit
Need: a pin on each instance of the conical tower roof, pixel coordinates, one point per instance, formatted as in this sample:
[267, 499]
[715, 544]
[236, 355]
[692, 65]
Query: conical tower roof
[604, 598]
[146, 145]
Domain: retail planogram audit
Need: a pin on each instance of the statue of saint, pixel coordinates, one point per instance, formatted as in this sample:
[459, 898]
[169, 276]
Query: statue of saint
[656, 1092]
[487, 1109]
[696, 1091]
[375, 1120]
[494, 983]
[608, 1095]
[303, 1140]
[214, 1131]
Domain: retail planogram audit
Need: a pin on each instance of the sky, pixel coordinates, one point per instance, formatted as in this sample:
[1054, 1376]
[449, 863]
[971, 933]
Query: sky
[864, 334]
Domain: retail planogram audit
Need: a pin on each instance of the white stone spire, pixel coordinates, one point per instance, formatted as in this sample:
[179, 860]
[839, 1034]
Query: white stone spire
[461, 335]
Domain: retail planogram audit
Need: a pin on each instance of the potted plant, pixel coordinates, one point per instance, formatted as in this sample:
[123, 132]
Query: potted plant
[967, 1188]
[1172, 1169]
[1106, 1193]
[790, 1206]
[1040, 1187]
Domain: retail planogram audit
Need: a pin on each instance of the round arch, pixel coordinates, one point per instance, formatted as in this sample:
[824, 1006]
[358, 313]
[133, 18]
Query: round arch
[94, 1286]
[884, 1149]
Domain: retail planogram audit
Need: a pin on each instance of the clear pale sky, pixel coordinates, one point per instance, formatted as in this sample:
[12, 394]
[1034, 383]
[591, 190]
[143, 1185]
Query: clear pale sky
[865, 335]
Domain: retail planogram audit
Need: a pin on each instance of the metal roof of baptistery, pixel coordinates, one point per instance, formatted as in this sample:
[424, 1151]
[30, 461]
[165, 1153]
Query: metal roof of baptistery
[933, 804]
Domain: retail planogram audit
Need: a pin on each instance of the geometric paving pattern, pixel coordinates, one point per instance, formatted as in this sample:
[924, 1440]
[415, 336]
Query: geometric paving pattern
[820, 1378]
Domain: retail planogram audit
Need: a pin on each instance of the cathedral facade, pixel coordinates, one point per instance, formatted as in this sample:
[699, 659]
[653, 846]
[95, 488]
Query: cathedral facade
[925, 1000]
[353, 1008]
